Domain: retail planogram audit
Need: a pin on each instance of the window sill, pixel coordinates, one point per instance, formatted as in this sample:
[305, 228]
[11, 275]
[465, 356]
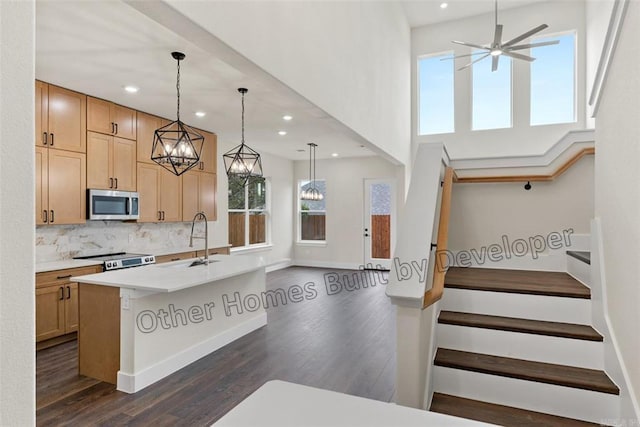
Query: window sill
[319, 243]
[249, 249]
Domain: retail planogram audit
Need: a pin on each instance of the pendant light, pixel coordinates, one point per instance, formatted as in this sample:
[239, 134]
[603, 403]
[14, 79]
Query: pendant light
[242, 161]
[176, 146]
[312, 193]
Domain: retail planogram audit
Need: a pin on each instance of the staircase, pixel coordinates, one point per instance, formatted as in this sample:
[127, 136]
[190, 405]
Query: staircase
[516, 348]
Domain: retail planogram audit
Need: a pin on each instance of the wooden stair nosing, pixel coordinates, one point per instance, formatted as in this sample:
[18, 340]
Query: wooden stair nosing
[548, 373]
[512, 324]
[545, 283]
[499, 414]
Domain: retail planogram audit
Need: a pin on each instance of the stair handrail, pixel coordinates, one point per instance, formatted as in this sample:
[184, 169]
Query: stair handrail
[435, 293]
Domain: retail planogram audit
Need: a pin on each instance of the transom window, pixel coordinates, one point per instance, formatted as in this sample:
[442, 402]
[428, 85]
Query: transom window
[436, 95]
[492, 95]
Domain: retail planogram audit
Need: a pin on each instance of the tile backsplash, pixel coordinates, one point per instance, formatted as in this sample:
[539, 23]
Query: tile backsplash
[58, 242]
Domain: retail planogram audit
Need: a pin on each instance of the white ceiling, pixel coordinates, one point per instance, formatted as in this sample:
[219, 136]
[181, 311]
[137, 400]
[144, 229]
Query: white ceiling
[426, 12]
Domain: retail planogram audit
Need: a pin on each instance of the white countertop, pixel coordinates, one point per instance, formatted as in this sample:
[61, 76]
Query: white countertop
[42, 267]
[283, 404]
[174, 276]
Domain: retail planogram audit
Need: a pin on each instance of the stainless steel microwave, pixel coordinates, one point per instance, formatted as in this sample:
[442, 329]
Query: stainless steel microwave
[113, 205]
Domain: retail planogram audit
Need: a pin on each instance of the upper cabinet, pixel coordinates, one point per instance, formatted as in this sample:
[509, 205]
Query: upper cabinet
[111, 119]
[61, 119]
[111, 162]
[147, 125]
[208, 155]
[198, 195]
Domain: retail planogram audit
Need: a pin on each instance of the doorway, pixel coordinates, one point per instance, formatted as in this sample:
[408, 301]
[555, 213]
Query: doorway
[379, 222]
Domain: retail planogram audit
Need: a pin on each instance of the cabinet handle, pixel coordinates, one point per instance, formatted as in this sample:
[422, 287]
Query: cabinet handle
[45, 216]
[45, 138]
[61, 293]
[113, 128]
[163, 215]
[52, 217]
[110, 182]
[63, 277]
[51, 143]
[116, 182]
[159, 215]
[116, 128]
[68, 292]
[175, 259]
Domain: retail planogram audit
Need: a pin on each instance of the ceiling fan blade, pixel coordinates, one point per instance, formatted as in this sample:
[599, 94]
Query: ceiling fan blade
[462, 56]
[529, 46]
[477, 46]
[518, 56]
[497, 37]
[473, 62]
[525, 35]
[494, 63]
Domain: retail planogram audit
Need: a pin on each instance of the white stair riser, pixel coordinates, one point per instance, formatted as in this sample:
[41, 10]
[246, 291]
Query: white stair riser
[547, 398]
[580, 270]
[536, 307]
[563, 351]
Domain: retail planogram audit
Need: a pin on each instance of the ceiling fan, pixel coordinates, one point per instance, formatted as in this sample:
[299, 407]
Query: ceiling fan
[498, 48]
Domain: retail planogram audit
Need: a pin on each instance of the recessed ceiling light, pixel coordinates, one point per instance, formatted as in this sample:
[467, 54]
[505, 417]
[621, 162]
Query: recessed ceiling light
[444, 5]
[200, 113]
[300, 151]
[287, 117]
[131, 89]
[334, 154]
[282, 132]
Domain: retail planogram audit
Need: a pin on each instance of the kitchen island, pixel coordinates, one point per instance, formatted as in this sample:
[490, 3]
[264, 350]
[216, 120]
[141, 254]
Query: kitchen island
[139, 325]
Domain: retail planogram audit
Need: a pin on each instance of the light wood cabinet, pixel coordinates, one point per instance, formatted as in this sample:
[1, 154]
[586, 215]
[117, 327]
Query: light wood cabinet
[111, 162]
[60, 187]
[60, 119]
[199, 195]
[111, 119]
[160, 194]
[208, 155]
[57, 302]
[147, 125]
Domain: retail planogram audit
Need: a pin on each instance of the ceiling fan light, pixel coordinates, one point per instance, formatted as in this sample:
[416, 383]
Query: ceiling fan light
[496, 52]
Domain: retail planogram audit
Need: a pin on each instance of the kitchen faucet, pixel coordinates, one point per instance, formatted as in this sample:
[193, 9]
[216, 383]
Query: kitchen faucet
[205, 260]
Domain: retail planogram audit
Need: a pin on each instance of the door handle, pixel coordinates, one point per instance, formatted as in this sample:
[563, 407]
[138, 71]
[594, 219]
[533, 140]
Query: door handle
[163, 215]
[51, 144]
[159, 215]
[116, 179]
[52, 217]
[45, 216]
[45, 138]
[110, 182]
[68, 292]
[61, 293]
[113, 127]
[116, 128]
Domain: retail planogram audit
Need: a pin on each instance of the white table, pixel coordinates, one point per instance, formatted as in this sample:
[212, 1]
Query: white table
[283, 404]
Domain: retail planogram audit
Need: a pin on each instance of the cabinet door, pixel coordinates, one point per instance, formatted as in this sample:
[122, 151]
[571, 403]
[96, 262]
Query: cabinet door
[208, 156]
[147, 125]
[148, 177]
[99, 160]
[49, 312]
[67, 187]
[207, 195]
[99, 116]
[124, 164]
[170, 196]
[42, 185]
[125, 120]
[190, 195]
[67, 120]
[71, 308]
[42, 113]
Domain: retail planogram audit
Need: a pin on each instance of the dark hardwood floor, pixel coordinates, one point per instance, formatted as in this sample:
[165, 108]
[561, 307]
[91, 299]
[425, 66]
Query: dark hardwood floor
[343, 342]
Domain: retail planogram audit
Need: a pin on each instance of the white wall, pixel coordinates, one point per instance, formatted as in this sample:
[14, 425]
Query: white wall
[482, 213]
[597, 16]
[521, 139]
[17, 183]
[345, 208]
[351, 59]
[617, 188]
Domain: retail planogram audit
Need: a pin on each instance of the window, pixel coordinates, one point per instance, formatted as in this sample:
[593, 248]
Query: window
[492, 95]
[248, 212]
[435, 80]
[553, 81]
[312, 214]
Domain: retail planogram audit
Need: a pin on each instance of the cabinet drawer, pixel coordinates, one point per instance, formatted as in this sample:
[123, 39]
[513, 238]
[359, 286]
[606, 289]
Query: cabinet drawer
[174, 257]
[61, 277]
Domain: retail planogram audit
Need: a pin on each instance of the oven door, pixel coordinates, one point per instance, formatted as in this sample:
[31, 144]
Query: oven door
[111, 205]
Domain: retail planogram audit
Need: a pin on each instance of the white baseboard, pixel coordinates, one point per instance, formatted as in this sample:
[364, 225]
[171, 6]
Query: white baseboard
[279, 265]
[132, 383]
[327, 264]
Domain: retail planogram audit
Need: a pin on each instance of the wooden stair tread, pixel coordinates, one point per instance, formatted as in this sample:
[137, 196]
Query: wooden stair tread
[583, 256]
[568, 376]
[512, 324]
[498, 414]
[548, 283]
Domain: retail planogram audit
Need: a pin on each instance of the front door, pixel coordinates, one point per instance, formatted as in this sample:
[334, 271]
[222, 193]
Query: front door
[379, 222]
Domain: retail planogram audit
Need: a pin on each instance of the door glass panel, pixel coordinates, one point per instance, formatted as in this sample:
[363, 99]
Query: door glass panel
[380, 221]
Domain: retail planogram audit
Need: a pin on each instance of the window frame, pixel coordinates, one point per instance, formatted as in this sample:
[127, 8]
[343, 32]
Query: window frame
[247, 212]
[299, 216]
[447, 53]
[574, 32]
[471, 95]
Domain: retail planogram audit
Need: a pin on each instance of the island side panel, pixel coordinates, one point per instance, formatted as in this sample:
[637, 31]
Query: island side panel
[99, 332]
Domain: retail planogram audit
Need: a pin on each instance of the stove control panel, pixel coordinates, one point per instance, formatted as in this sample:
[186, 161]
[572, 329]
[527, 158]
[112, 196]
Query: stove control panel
[129, 262]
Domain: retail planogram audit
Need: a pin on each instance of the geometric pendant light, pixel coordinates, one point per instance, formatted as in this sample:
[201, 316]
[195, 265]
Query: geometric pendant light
[312, 193]
[176, 146]
[242, 161]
